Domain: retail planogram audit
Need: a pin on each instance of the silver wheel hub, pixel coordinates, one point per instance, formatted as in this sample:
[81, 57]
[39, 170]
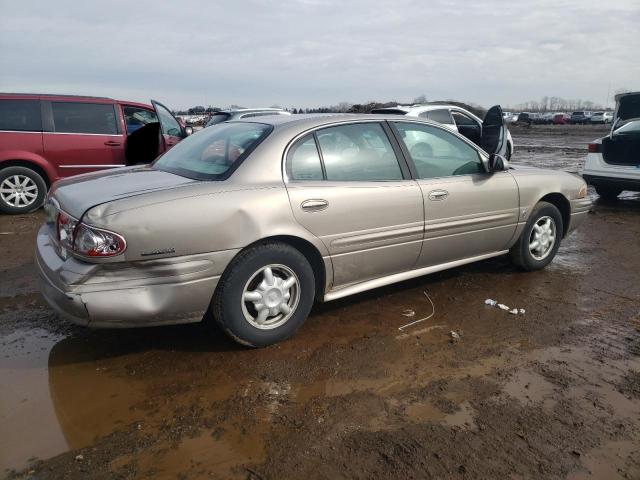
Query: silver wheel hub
[543, 238]
[271, 296]
[18, 191]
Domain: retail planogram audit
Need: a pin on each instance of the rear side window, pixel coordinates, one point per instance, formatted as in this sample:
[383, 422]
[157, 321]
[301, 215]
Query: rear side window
[218, 118]
[358, 152]
[20, 115]
[440, 116]
[303, 160]
[462, 119]
[77, 117]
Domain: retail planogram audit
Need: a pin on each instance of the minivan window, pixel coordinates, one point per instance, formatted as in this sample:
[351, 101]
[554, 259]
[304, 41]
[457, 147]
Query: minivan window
[136, 118]
[358, 152]
[78, 117]
[303, 160]
[20, 115]
[437, 152]
[213, 153]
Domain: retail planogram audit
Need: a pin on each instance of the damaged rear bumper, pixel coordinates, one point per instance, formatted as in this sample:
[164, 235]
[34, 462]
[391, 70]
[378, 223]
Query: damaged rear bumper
[137, 294]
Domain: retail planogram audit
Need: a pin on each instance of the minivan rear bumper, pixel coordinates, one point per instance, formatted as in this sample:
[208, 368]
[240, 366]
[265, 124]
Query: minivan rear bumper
[137, 294]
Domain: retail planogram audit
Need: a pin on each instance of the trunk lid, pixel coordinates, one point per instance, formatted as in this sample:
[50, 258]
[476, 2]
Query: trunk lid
[627, 108]
[78, 194]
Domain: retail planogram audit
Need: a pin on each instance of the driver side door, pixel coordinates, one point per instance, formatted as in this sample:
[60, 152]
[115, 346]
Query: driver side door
[469, 212]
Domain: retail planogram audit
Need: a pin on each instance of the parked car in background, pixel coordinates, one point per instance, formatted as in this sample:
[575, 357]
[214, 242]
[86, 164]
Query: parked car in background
[453, 117]
[613, 162]
[248, 222]
[510, 117]
[601, 118]
[580, 118]
[561, 118]
[47, 137]
[525, 117]
[235, 114]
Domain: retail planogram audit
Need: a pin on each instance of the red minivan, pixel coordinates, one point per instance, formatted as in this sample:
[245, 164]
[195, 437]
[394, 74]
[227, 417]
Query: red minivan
[47, 137]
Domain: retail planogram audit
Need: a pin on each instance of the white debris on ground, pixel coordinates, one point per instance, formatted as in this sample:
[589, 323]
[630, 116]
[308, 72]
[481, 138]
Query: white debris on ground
[455, 336]
[502, 306]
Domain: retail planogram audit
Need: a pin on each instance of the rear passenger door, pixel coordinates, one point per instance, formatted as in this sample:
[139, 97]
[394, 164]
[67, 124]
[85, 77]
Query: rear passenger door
[349, 186]
[81, 137]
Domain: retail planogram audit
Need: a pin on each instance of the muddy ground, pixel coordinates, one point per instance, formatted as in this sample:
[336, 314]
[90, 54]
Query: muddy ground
[553, 393]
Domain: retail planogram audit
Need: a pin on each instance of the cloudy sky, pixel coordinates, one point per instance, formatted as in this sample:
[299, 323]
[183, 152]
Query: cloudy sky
[319, 52]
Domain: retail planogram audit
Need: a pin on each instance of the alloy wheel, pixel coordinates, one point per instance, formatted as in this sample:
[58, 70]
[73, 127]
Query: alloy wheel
[542, 238]
[271, 297]
[18, 191]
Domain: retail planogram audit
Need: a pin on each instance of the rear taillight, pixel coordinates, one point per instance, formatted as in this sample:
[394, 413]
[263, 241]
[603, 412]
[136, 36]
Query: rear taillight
[87, 241]
[65, 229]
[594, 147]
[95, 242]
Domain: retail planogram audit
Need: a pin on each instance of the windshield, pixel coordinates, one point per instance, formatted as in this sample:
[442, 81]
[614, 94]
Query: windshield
[215, 152]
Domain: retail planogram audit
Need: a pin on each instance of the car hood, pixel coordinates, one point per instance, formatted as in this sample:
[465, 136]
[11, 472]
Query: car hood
[627, 107]
[78, 194]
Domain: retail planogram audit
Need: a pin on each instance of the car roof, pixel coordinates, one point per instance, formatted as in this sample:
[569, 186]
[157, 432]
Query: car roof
[57, 96]
[245, 110]
[312, 120]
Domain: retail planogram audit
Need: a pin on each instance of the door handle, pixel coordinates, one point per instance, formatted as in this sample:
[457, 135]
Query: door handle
[111, 143]
[436, 195]
[314, 205]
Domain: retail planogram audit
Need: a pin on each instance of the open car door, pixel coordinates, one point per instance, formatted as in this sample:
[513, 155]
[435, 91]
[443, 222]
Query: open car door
[494, 132]
[171, 131]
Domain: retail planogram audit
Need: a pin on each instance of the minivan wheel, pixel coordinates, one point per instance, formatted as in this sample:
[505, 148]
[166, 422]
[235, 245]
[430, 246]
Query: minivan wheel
[608, 193]
[540, 238]
[264, 295]
[22, 190]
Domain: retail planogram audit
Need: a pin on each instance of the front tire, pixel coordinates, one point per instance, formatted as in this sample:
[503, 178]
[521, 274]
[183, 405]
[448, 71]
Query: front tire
[608, 194]
[22, 190]
[540, 240]
[264, 295]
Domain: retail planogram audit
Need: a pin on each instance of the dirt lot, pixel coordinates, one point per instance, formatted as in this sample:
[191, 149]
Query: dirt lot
[553, 393]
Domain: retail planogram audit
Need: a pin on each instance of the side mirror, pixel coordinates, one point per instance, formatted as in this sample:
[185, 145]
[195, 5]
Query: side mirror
[496, 163]
[188, 131]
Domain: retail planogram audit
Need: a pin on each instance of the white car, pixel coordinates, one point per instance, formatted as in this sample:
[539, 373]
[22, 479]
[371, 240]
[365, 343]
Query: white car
[601, 117]
[613, 162]
[453, 117]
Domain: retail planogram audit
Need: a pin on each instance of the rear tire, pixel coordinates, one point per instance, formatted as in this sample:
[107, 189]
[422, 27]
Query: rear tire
[257, 308]
[608, 194]
[22, 190]
[540, 239]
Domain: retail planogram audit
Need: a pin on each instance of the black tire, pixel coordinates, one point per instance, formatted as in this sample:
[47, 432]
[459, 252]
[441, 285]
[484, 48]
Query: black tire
[36, 180]
[521, 254]
[608, 194]
[227, 303]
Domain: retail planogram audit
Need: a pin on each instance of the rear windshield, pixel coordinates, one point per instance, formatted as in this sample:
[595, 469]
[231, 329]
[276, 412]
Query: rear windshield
[213, 153]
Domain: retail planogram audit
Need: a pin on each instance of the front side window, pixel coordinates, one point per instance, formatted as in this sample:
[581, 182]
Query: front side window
[213, 153]
[440, 116]
[20, 115]
[437, 152]
[136, 118]
[303, 160]
[77, 117]
[358, 152]
[169, 124]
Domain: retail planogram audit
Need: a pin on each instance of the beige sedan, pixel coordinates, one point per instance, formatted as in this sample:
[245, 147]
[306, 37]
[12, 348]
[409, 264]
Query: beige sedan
[246, 223]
